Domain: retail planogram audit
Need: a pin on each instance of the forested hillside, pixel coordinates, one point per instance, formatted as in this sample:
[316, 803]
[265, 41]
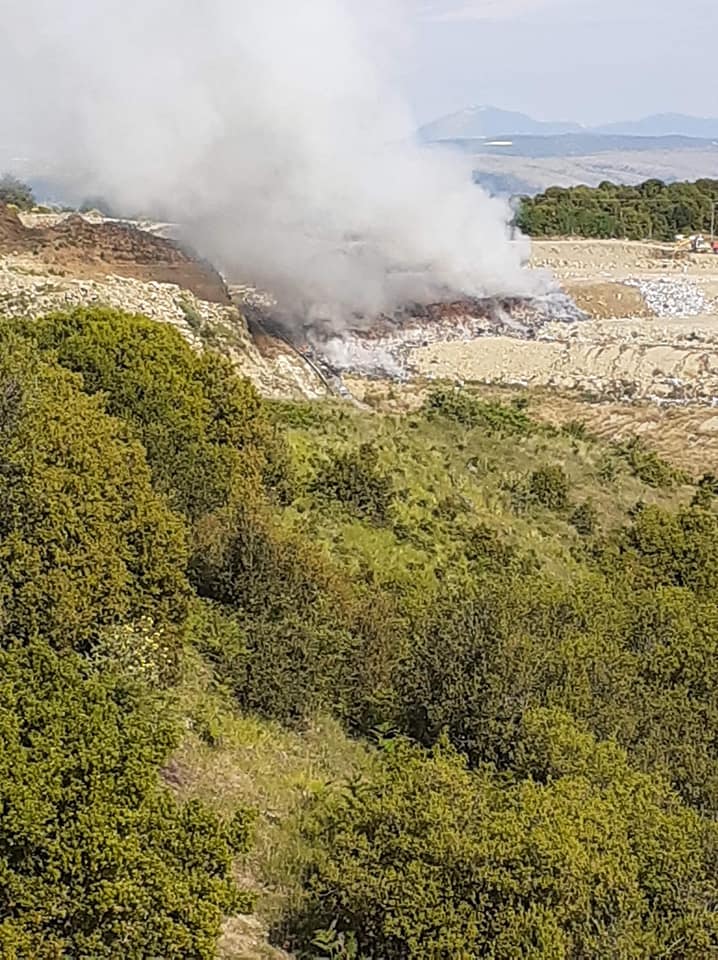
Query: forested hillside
[651, 210]
[499, 638]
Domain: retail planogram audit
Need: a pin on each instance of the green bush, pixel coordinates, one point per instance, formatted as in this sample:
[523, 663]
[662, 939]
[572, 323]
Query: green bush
[289, 633]
[497, 645]
[85, 542]
[283, 608]
[706, 491]
[672, 633]
[488, 550]
[96, 858]
[204, 428]
[585, 518]
[356, 479]
[549, 487]
[584, 858]
[665, 549]
[468, 411]
[486, 545]
[546, 487]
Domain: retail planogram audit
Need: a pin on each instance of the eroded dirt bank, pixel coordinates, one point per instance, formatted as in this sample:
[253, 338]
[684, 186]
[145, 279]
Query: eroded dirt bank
[90, 250]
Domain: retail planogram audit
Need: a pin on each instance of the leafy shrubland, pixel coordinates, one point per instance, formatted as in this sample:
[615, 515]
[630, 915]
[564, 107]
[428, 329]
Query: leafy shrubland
[438, 685]
[97, 859]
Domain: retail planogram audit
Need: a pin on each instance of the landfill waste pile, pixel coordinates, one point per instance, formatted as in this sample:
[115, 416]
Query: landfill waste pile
[670, 297]
[382, 347]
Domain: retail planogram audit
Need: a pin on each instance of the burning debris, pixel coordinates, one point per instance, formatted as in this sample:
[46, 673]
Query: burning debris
[382, 347]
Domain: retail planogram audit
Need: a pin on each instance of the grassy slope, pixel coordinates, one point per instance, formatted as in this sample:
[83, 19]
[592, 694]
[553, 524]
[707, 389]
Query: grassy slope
[227, 758]
[434, 461]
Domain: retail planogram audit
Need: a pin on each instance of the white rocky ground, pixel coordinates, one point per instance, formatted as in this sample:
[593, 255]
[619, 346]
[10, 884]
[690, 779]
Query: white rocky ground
[27, 291]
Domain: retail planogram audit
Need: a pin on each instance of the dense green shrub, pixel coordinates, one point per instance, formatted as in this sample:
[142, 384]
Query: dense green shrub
[630, 658]
[666, 549]
[204, 428]
[585, 858]
[356, 479]
[469, 411]
[706, 492]
[303, 637]
[585, 518]
[486, 547]
[85, 542]
[549, 487]
[672, 634]
[498, 645]
[96, 858]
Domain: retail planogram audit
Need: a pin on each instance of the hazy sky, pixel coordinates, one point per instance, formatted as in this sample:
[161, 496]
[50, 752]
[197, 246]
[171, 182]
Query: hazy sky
[585, 60]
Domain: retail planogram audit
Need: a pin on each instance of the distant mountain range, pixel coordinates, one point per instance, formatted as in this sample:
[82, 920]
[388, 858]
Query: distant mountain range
[485, 122]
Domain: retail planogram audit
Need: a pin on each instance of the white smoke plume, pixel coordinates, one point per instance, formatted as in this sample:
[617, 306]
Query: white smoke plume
[271, 130]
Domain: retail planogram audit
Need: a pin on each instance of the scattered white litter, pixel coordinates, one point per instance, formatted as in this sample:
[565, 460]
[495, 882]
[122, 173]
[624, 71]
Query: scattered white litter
[666, 297]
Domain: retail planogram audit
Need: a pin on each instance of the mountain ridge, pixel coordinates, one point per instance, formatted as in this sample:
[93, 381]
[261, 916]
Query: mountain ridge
[485, 121]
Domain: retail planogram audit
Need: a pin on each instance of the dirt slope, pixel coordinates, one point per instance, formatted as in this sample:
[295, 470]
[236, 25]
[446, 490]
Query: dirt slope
[70, 262]
[92, 251]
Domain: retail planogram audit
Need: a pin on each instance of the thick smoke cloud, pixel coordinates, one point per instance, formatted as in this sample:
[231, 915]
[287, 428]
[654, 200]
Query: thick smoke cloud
[270, 130]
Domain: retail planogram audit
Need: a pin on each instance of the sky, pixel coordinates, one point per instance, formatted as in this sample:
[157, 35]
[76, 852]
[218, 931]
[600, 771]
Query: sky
[592, 61]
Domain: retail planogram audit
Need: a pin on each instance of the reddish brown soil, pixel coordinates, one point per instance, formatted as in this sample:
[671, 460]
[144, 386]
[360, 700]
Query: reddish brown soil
[11, 229]
[92, 251]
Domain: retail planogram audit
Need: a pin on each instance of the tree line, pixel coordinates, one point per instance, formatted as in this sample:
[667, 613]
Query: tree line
[16, 193]
[650, 210]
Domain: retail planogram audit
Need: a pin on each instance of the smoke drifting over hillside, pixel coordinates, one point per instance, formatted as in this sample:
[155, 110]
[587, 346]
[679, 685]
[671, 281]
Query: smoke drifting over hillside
[270, 130]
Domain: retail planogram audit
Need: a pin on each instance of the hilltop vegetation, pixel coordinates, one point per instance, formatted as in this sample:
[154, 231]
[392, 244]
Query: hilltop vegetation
[15, 192]
[651, 210]
[439, 685]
